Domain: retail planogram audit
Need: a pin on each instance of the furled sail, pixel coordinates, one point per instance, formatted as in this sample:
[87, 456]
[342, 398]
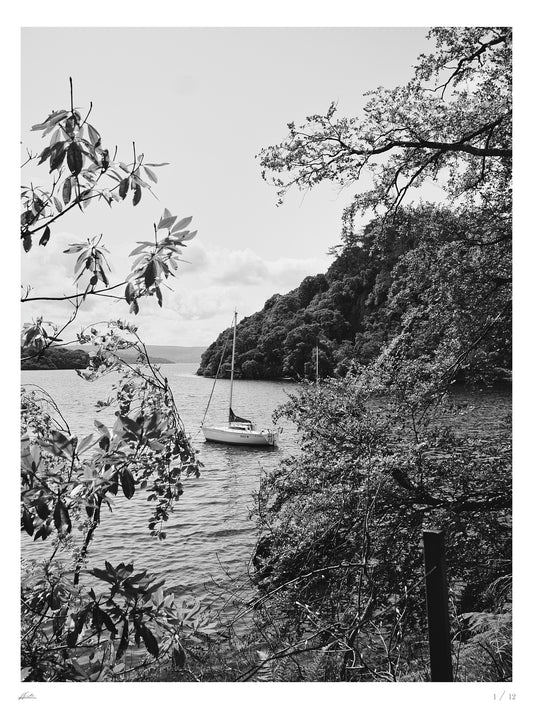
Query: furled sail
[236, 419]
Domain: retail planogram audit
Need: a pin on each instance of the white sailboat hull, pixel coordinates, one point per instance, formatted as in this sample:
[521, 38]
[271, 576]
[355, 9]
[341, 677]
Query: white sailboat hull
[240, 436]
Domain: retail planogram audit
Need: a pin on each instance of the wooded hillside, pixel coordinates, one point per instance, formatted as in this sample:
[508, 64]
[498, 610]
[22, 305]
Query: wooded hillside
[428, 257]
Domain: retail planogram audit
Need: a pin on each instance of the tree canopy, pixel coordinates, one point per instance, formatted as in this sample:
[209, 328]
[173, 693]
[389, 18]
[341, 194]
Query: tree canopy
[451, 122]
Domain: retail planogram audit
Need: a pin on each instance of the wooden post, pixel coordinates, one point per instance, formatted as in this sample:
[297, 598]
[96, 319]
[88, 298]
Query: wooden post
[440, 650]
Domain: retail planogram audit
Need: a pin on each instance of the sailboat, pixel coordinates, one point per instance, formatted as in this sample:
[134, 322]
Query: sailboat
[238, 430]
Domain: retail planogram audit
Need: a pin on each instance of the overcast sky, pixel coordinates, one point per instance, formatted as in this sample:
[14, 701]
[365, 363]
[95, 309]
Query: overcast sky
[206, 101]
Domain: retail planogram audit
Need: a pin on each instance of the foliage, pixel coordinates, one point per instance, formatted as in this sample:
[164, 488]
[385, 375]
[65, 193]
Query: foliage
[339, 562]
[91, 173]
[101, 624]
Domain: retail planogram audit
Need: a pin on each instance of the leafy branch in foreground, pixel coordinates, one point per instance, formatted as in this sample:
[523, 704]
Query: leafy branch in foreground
[80, 625]
[67, 481]
[82, 169]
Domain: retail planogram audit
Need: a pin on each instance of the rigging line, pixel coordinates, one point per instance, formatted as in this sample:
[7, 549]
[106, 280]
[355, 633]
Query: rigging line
[214, 384]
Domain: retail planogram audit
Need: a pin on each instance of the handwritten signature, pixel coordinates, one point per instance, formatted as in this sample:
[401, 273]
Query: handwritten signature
[27, 695]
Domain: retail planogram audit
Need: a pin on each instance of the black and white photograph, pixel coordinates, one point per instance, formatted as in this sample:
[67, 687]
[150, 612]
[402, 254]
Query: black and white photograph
[266, 358]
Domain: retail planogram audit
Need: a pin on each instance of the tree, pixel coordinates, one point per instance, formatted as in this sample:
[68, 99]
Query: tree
[339, 563]
[77, 623]
[451, 121]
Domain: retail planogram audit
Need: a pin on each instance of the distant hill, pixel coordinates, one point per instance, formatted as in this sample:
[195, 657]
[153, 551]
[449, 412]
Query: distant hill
[177, 355]
[160, 354]
[57, 358]
[76, 356]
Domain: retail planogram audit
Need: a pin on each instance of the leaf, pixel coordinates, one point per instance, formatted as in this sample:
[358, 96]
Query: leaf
[128, 484]
[27, 521]
[108, 623]
[150, 273]
[43, 532]
[45, 237]
[149, 640]
[58, 155]
[178, 655]
[74, 158]
[113, 484]
[42, 508]
[183, 223]
[59, 444]
[27, 217]
[74, 248]
[190, 235]
[82, 260]
[166, 222]
[130, 293]
[31, 332]
[58, 204]
[137, 195]
[61, 517]
[84, 444]
[72, 638]
[26, 242]
[38, 205]
[134, 307]
[123, 644]
[52, 120]
[103, 276]
[97, 620]
[45, 154]
[151, 174]
[67, 189]
[55, 137]
[123, 570]
[138, 249]
[103, 575]
[124, 187]
[94, 135]
[159, 296]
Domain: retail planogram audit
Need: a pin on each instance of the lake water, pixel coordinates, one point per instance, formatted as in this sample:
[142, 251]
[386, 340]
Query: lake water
[210, 536]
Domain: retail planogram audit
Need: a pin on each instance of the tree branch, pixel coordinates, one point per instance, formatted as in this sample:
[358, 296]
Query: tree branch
[76, 295]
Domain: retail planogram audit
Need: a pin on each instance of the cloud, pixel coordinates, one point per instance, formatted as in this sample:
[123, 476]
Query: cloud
[200, 304]
[246, 267]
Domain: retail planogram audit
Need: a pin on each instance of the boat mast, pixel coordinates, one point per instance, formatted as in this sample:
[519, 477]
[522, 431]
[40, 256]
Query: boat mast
[316, 361]
[232, 362]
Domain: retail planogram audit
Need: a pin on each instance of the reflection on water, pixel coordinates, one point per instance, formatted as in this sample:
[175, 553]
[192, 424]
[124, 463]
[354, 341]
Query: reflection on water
[210, 533]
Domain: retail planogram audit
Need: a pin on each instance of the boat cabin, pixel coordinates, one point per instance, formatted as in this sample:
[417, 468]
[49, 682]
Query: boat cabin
[242, 426]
